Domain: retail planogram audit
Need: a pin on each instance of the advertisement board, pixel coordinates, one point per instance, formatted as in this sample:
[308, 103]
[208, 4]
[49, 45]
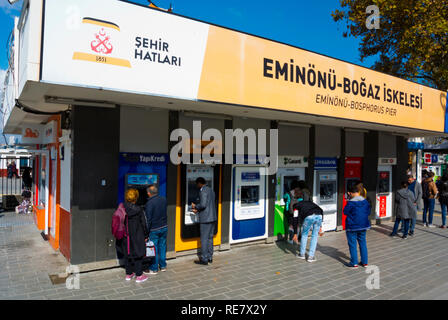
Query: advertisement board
[121, 46]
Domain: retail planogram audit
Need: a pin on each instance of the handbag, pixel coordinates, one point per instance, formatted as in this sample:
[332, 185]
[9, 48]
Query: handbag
[150, 249]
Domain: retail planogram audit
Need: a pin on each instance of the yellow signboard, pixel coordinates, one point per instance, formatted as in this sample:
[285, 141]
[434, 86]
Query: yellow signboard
[247, 70]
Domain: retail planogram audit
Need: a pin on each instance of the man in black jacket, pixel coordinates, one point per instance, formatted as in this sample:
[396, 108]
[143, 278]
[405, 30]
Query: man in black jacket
[156, 220]
[443, 198]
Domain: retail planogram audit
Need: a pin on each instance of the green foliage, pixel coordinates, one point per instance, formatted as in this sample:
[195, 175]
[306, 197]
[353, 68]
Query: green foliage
[412, 41]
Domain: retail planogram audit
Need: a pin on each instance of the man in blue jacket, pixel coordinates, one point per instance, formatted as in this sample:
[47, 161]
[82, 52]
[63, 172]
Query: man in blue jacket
[357, 223]
[156, 220]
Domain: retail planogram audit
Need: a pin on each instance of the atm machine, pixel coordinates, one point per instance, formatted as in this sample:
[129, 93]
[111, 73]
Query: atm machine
[352, 174]
[384, 192]
[291, 168]
[248, 219]
[190, 193]
[141, 182]
[325, 193]
[138, 171]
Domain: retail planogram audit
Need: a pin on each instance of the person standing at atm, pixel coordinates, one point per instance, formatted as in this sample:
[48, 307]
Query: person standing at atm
[156, 220]
[405, 209]
[290, 199]
[207, 220]
[135, 237]
[416, 188]
[309, 215]
[443, 198]
[357, 223]
[429, 199]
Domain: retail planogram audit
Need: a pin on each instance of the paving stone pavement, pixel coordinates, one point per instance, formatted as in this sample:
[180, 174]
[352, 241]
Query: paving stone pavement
[415, 268]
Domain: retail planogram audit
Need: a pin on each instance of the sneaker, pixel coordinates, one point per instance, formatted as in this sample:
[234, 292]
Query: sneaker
[404, 237]
[162, 269]
[311, 259]
[443, 227]
[152, 273]
[352, 266]
[363, 265]
[141, 279]
[411, 233]
[431, 226]
[129, 277]
[300, 257]
[424, 224]
[392, 235]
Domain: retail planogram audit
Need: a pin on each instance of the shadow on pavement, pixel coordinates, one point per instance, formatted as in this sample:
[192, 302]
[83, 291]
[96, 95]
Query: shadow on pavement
[334, 253]
[425, 229]
[285, 246]
[382, 229]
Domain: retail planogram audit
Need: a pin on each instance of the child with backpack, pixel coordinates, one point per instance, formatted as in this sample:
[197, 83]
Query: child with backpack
[357, 223]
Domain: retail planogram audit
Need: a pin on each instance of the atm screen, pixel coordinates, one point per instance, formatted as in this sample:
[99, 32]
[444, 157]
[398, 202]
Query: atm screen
[287, 181]
[193, 191]
[141, 182]
[327, 191]
[383, 182]
[250, 196]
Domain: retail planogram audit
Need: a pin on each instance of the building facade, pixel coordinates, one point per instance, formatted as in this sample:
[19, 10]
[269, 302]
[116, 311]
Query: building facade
[101, 86]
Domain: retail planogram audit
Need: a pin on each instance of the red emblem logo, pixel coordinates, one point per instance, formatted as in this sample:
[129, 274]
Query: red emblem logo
[102, 43]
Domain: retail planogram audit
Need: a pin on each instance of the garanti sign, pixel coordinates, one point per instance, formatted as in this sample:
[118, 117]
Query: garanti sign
[121, 46]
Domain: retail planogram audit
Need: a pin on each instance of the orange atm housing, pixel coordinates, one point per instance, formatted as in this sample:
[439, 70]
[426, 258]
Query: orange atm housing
[352, 174]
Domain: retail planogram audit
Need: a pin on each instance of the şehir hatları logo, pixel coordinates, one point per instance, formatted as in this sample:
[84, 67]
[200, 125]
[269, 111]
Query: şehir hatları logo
[101, 45]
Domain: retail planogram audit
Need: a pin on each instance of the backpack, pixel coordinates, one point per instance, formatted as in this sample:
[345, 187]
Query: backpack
[425, 189]
[118, 229]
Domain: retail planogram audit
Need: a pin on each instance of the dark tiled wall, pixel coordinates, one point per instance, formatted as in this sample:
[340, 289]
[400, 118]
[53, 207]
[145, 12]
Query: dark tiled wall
[95, 146]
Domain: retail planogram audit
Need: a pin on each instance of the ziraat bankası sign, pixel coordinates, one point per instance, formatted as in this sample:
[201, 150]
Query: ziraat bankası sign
[121, 46]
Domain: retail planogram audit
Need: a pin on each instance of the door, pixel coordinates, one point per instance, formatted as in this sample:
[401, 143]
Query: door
[249, 204]
[384, 192]
[285, 176]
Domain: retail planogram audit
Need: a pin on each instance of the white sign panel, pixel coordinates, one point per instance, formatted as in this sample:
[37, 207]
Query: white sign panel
[387, 161]
[292, 162]
[121, 46]
[50, 132]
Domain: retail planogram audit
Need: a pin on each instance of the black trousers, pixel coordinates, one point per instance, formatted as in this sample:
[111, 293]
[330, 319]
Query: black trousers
[134, 265]
[207, 231]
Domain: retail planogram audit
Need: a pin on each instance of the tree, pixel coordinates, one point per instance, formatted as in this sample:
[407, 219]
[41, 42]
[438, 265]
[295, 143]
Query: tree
[412, 39]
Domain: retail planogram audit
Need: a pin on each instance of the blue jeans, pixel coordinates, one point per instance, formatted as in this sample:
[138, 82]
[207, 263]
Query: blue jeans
[443, 206]
[159, 239]
[359, 237]
[314, 221]
[412, 225]
[428, 205]
[405, 226]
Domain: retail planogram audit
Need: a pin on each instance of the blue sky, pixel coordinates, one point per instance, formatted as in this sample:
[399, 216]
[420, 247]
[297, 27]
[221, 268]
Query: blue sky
[303, 23]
